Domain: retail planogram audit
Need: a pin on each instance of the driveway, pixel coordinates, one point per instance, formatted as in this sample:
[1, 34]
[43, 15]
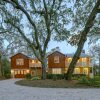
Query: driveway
[10, 91]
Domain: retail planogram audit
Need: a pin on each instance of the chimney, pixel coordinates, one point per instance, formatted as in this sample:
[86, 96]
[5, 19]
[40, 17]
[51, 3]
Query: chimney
[83, 51]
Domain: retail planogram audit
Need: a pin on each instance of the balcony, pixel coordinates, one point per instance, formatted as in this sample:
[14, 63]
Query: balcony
[35, 65]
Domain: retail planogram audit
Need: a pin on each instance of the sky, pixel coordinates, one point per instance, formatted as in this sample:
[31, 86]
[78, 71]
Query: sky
[65, 47]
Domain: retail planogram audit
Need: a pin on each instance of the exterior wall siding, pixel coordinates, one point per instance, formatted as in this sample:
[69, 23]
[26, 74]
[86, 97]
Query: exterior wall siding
[35, 67]
[19, 56]
[61, 63]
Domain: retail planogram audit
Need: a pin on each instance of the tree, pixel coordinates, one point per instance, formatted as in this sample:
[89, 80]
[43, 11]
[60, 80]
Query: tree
[6, 68]
[95, 53]
[35, 21]
[87, 26]
[1, 53]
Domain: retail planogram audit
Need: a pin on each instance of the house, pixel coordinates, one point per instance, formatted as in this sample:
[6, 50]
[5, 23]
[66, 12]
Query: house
[22, 64]
[58, 63]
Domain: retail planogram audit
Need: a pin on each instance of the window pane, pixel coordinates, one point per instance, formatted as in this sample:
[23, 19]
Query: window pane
[77, 71]
[56, 71]
[85, 71]
[19, 61]
[56, 59]
[22, 72]
[18, 72]
[15, 72]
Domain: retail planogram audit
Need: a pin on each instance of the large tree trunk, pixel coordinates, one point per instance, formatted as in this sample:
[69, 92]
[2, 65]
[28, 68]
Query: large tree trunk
[99, 64]
[82, 40]
[44, 69]
[0, 66]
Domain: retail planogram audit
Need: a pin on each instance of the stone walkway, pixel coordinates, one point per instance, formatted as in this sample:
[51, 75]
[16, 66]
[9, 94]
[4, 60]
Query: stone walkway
[10, 91]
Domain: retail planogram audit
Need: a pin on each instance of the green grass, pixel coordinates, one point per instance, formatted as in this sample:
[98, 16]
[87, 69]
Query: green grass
[95, 82]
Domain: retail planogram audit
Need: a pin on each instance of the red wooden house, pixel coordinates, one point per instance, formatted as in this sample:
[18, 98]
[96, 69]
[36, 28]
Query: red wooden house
[22, 64]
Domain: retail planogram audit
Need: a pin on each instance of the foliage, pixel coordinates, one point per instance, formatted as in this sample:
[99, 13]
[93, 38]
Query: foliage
[28, 76]
[87, 26]
[8, 75]
[35, 22]
[95, 82]
[35, 78]
[84, 80]
[55, 76]
[6, 68]
[78, 76]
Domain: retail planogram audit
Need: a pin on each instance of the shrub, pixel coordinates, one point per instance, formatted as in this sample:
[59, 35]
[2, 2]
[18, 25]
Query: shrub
[84, 80]
[92, 82]
[49, 76]
[36, 78]
[28, 76]
[58, 76]
[97, 78]
[54, 77]
[78, 76]
[8, 75]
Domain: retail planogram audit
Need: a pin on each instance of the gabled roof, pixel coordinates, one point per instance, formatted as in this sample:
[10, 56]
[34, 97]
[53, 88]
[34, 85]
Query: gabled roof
[21, 54]
[55, 52]
[82, 55]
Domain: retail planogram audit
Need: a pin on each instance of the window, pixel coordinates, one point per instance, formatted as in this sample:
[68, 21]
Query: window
[25, 72]
[56, 59]
[15, 72]
[56, 71]
[77, 71]
[19, 61]
[83, 59]
[33, 61]
[69, 60]
[85, 71]
[84, 64]
[22, 72]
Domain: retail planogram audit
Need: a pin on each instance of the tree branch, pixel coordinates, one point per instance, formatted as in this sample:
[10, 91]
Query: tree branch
[18, 6]
[98, 10]
[82, 40]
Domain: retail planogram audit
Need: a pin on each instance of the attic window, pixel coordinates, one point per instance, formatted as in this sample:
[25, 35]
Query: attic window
[56, 59]
[19, 61]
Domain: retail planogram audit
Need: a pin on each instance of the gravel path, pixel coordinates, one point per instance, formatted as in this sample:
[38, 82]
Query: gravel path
[10, 91]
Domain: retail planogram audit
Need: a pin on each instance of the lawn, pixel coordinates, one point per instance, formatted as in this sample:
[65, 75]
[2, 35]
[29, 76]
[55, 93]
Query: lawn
[48, 83]
[57, 84]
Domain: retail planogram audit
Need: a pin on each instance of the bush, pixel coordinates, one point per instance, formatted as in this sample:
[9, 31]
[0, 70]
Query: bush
[58, 76]
[36, 78]
[49, 76]
[84, 80]
[28, 76]
[54, 77]
[97, 78]
[8, 76]
[78, 76]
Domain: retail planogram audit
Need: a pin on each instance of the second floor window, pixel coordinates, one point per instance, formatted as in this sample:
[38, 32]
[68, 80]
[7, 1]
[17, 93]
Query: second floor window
[84, 64]
[69, 60]
[19, 61]
[83, 59]
[56, 59]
